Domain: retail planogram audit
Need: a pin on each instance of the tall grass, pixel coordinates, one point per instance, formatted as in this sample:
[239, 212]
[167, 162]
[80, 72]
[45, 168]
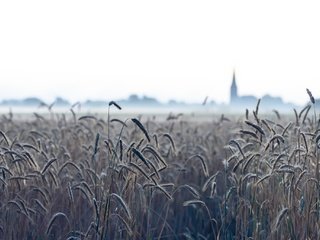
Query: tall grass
[83, 177]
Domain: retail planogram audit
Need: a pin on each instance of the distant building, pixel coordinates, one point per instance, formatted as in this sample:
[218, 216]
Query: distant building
[240, 101]
[249, 101]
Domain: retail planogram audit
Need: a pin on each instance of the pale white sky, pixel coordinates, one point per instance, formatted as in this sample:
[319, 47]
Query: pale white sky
[168, 49]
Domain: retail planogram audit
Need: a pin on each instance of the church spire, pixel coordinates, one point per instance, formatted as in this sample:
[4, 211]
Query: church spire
[234, 78]
[234, 89]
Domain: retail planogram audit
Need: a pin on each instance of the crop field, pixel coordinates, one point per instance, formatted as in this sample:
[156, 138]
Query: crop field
[250, 176]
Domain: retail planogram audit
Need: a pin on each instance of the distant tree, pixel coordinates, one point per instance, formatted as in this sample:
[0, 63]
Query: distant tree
[146, 99]
[133, 98]
[60, 101]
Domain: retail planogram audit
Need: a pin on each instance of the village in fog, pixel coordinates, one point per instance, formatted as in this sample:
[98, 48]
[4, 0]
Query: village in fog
[236, 103]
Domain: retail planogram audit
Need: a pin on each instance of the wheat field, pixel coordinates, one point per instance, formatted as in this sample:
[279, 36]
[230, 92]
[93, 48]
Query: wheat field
[69, 176]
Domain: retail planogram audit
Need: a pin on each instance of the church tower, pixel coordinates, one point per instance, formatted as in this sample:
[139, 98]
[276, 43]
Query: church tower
[234, 89]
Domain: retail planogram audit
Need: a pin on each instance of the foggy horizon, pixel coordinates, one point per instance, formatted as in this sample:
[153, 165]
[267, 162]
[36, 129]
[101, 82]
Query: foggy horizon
[51, 97]
[206, 99]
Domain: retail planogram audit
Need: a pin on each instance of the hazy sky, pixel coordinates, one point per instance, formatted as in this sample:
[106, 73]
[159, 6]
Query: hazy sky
[184, 49]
